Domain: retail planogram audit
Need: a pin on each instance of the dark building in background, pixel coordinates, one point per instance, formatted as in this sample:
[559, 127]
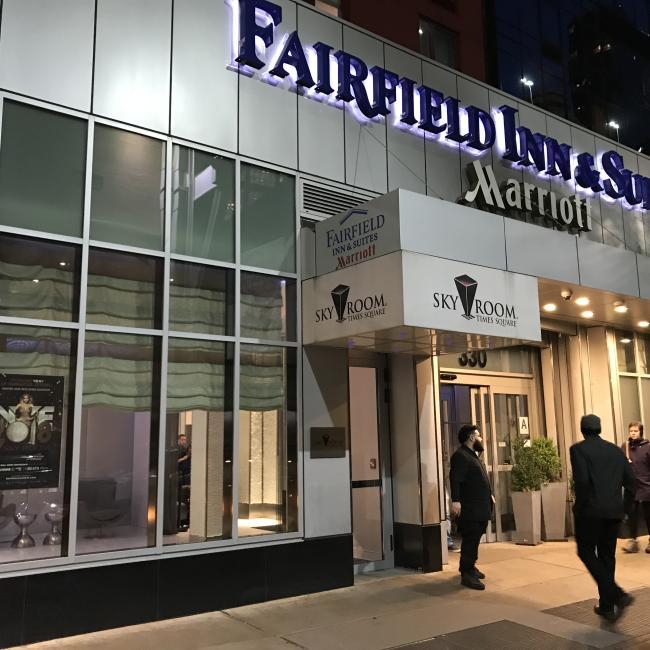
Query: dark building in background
[448, 31]
[588, 60]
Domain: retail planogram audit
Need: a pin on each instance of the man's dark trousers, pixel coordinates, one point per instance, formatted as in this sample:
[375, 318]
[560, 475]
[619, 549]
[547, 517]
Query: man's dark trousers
[471, 532]
[596, 540]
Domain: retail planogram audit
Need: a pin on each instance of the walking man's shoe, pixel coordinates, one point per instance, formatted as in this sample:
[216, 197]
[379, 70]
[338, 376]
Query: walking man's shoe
[647, 548]
[625, 600]
[471, 581]
[632, 546]
[611, 614]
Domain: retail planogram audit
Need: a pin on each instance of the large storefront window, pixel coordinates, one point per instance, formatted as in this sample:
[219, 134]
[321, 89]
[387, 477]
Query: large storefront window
[42, 170]
[198, 451]
[37, 371]
[267, 441]
[185, 384]
[118, 456]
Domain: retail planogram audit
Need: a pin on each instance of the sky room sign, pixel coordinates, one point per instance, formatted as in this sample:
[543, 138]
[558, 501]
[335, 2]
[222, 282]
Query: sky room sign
[374, 93]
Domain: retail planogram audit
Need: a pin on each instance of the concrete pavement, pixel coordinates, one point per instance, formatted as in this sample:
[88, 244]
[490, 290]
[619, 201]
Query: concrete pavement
[398, 608]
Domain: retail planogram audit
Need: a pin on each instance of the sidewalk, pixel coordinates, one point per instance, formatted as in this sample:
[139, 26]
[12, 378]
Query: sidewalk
[397, 608]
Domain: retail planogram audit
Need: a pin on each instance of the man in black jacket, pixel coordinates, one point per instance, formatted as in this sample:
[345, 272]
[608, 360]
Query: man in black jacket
[472, 500]
[600, 472]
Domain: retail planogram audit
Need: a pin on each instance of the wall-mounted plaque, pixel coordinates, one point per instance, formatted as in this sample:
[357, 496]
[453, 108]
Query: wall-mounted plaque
[327, 442]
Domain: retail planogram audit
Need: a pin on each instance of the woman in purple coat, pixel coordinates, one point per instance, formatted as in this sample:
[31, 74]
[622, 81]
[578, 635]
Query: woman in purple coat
[637, 450]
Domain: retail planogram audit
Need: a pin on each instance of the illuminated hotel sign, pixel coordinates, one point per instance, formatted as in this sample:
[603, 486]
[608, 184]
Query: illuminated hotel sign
[325, 74]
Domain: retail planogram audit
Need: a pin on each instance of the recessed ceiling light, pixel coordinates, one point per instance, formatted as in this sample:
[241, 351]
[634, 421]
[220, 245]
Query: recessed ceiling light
[583, 301]
[63, 263]
[587, 314]
[643, 323]
[549, 306]
[620, 307]
[420, 32]
[35, 280]
[625, 340]
[171, 279]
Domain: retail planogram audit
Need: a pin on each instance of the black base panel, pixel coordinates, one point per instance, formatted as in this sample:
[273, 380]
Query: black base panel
[418, 547]
[47, 606]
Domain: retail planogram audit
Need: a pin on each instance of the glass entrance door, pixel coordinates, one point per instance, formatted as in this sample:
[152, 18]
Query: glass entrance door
[503, 409]
[372, 508]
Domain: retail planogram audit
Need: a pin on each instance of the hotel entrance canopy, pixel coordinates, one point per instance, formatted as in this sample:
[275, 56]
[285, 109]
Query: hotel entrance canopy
[381, 284]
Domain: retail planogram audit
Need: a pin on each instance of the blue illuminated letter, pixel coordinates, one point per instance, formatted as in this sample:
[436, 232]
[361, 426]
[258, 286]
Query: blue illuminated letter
[384, 84]
[614, 167]
[510, 133]
[323, 64]
[453, 121]
[292, 54]
[531, 147]
[586, 174]
[249, 29]
[430, 110]
[407, 89]
[476, 117]
[558, 158]
[351, 85]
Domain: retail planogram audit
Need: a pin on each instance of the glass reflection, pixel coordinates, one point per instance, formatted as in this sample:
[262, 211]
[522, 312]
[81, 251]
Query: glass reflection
[268, 490]
[201, 299]
[124, 289]
[268, 307]
[118, 452]
[39, 278]
[198, 457]
[203, 209]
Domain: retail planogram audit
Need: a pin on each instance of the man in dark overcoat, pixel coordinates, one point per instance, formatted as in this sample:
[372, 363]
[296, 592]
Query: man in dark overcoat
[472, 501]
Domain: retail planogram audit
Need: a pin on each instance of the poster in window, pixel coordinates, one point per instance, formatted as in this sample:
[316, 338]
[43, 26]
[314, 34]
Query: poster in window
[31, 416]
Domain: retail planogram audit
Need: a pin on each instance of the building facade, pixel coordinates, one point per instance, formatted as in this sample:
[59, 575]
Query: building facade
[228, 373]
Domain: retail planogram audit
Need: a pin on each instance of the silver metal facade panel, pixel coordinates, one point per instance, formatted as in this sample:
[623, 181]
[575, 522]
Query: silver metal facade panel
[406, 168]
[585, 142]
[609, 268]
[632, 215]
[268, 114]
[365, 143]
[321, 134]
[541, 252]
[132, 62]
[452, 231]
[611, 211]
[442, 157]
[643, 265]
[470, 93]
[204, 104]
[46, 50]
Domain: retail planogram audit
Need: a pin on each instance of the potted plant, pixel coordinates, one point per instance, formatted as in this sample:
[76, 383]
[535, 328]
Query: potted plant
[554, 491]
[526, 495]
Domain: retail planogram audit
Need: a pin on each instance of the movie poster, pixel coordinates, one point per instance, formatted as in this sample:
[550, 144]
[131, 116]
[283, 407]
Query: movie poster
[31, 417]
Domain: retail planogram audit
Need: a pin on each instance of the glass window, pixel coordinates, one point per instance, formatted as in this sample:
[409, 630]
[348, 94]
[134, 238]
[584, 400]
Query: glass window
[118, 453]
[625, 351]
[268, 307]
[36, 410]
[201, 299]
[198, 453]
[124, 289]
[629, 400]
[39, 279]
[268, 489]
[203, 205]
[128, 188]
[643, 342]
[438, 43]
[268, 219]
[42, 170]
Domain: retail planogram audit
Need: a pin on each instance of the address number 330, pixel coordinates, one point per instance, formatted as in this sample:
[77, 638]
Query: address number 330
[473, 359]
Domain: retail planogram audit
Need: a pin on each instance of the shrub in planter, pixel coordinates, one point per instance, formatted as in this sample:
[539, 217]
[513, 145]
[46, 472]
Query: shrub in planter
[526, 496]
[554, 491]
